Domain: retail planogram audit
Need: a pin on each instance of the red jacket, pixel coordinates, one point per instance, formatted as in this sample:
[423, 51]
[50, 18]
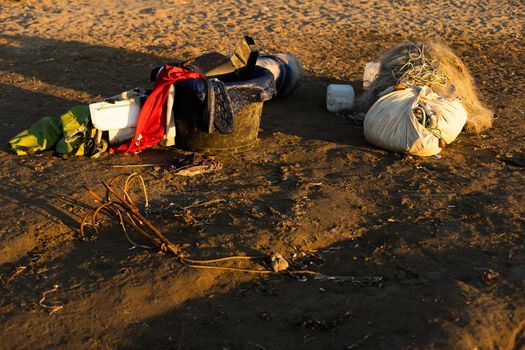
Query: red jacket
[151, 123]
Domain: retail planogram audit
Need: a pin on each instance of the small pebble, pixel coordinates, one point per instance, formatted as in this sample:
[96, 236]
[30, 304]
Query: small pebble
[278, 262]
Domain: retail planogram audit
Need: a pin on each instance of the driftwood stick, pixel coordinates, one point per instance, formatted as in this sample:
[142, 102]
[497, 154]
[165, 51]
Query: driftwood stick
[166, 244]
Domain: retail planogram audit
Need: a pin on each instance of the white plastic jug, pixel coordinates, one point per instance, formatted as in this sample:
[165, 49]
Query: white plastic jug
[339, 97]
[370, 74]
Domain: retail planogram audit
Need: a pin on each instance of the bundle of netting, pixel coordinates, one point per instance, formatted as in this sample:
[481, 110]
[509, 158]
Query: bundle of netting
[432, 64]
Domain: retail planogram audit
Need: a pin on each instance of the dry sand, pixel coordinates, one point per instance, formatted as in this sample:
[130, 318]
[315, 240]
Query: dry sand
[445, 234]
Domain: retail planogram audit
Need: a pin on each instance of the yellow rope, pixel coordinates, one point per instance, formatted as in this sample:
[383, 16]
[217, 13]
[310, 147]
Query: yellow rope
[229, 258]
[237, 269]
[420, 70]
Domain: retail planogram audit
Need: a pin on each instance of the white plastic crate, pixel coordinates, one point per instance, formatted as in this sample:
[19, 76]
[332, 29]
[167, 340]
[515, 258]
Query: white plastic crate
[111, 116]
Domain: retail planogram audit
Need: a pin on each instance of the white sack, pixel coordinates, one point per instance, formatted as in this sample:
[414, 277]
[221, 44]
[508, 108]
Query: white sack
[390, 123]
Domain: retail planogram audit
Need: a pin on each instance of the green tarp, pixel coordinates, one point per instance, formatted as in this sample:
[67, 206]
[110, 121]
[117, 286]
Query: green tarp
[66, 134]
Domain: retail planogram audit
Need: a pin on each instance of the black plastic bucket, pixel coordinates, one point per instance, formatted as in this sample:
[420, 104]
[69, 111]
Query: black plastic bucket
[244, 136]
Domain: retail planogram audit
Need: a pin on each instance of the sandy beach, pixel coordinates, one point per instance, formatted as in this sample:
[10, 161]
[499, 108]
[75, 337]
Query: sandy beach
[443, 235]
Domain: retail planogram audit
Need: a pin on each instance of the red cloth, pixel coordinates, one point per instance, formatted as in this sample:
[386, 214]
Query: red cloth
[151, 123]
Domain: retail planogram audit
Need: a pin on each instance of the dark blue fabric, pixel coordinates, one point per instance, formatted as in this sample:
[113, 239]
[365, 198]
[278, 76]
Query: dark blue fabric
[223, 100]
[220, 100]
[259, 88]
[198, 86]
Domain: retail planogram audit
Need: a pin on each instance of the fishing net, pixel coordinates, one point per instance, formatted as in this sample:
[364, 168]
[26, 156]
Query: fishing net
[431, 64]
